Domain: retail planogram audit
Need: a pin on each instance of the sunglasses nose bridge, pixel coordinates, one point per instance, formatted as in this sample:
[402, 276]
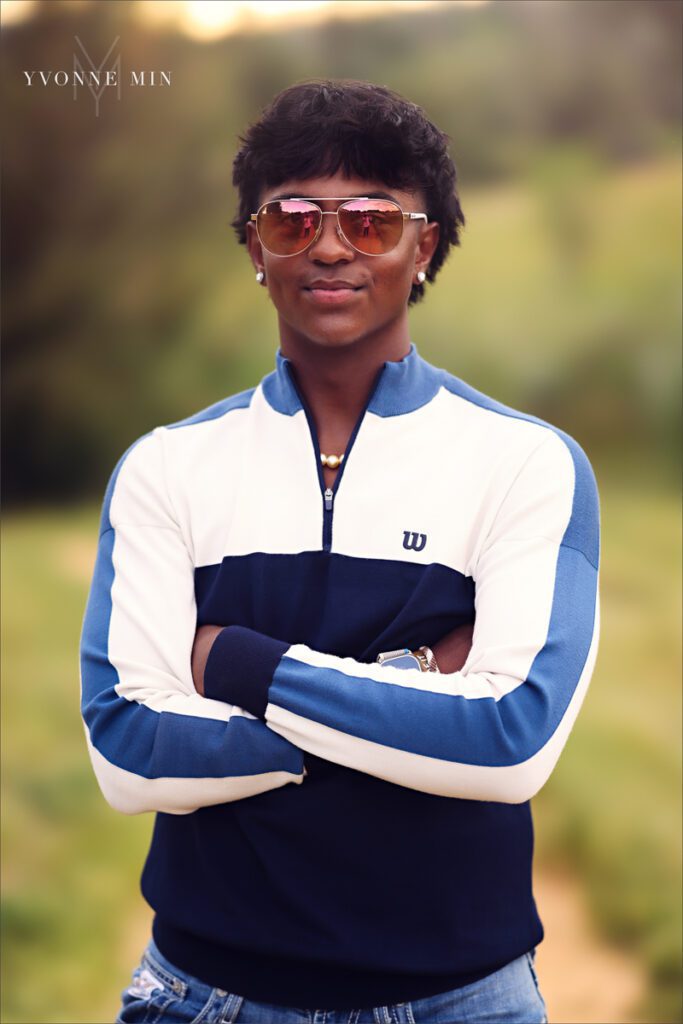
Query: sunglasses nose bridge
[322, 233]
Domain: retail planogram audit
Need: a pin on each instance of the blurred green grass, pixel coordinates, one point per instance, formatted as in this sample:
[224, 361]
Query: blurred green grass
[69, 861]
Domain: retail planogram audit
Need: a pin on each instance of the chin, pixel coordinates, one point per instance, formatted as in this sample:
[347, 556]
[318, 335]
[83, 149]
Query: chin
[332, 333]
[335, 340]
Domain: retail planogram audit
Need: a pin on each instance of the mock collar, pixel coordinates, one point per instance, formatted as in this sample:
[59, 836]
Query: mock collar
[404, 385]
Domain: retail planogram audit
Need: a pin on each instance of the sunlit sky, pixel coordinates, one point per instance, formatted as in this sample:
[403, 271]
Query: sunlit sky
[208, 19]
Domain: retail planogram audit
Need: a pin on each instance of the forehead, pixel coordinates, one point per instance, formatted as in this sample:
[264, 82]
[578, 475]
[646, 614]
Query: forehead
[337, 186]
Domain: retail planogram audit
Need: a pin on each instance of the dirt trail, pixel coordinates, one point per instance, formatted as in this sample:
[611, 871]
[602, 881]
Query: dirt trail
[583, 980]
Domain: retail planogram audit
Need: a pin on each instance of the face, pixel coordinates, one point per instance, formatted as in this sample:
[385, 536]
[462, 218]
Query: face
[305, 289]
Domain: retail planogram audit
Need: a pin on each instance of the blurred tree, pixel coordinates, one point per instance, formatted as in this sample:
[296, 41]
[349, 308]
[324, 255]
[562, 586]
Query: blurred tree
[124, 292]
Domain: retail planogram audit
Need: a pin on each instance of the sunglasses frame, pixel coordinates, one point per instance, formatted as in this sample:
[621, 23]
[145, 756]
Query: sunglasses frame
[314, 200]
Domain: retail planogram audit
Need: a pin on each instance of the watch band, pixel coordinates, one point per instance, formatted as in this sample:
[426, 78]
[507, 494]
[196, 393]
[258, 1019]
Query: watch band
[425, 656]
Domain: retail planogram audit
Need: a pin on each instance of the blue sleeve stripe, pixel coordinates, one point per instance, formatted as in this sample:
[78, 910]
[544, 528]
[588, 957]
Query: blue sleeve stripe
[154, 744]
[242, 400]
[105, 521]
[477, 731]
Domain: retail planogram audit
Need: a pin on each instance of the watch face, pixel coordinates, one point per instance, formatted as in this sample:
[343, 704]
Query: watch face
[404, 661]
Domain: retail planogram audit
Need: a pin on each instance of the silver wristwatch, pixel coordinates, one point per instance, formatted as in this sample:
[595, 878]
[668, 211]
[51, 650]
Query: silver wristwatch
[423, 659]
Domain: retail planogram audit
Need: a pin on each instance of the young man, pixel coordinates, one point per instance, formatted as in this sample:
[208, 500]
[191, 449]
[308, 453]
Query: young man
[341, 623]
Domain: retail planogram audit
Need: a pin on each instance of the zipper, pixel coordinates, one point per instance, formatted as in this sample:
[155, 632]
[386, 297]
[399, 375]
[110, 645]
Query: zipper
[328, 493]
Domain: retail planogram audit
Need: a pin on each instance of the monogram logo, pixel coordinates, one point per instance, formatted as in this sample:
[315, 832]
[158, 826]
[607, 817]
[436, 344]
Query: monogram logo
[112, 76]
[414, 541]
[97, 77]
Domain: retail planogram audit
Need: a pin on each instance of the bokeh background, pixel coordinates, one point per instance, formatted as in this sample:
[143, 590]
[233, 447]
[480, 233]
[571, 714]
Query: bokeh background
[127, 303]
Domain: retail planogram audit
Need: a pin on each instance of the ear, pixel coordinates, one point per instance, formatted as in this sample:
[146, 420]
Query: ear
[427, 241]
[254, 247]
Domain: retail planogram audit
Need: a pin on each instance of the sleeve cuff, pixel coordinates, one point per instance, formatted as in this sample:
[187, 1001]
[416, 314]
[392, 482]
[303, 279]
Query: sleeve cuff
[240, 668]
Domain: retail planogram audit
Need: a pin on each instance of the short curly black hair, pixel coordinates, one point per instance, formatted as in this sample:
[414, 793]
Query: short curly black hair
[316, 127]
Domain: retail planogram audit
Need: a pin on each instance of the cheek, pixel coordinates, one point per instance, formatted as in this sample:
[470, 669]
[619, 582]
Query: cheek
[393, 281]
[280, 283]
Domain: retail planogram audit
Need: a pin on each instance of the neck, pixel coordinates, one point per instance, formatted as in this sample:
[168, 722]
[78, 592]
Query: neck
[336, 381]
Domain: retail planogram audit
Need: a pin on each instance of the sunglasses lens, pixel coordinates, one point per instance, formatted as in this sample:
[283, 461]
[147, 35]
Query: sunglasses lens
[287, 226]
[372, 226]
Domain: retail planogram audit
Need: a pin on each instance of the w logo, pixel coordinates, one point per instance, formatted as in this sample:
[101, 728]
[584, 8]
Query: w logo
[414, 541]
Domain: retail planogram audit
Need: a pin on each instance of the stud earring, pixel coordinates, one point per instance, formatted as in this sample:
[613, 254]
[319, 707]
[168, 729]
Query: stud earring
[421, 277]
[260, 276]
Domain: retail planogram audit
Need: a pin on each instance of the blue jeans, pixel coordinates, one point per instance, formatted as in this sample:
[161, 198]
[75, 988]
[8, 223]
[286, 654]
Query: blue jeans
[160, 993]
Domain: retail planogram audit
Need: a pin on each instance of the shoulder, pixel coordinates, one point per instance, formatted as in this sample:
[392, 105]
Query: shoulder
[171, 449]
[503, 424]
[193, 429]
[549, 463]
[217, 411]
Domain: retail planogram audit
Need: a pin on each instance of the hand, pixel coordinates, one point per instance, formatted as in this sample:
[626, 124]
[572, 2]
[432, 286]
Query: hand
[203, 641]
[451, 651]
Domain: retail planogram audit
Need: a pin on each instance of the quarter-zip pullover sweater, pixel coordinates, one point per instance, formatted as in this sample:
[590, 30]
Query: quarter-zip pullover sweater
[331, 831]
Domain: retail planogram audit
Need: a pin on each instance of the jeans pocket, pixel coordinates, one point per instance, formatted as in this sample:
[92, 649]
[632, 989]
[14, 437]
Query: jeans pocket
[152, 990]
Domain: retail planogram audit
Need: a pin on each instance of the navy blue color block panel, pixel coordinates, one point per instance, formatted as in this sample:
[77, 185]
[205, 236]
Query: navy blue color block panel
[235, 970]
[583, 529]
[455, 728]
[351, 870]
[351, 607]
[242, 400]
[155, 744]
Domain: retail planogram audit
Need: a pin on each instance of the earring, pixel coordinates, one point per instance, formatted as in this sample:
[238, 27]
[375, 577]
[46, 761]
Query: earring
[421, 277]
[260, 276]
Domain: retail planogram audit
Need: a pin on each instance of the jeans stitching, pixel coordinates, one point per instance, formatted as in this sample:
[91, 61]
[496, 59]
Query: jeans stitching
[177, 984]
[205, 1008]
[532, 969]
[530, 962]
[232, 1008]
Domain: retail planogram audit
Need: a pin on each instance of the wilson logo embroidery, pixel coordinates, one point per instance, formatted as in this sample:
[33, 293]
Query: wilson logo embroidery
[414, 541]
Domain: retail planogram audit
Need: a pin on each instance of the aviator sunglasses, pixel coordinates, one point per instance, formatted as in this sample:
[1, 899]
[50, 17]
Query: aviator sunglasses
[286, 227]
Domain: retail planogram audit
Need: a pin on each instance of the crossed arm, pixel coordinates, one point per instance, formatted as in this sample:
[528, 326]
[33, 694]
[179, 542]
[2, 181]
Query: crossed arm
[450, 652]
[490, 726]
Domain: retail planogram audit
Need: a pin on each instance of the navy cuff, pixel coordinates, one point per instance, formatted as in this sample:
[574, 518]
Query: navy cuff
[240, 668]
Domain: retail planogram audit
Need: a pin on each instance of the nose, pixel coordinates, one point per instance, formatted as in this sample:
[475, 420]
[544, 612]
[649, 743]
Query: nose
[330, 245]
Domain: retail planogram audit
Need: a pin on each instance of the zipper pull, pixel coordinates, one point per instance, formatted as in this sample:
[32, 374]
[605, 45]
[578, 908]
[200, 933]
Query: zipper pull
[329, 498]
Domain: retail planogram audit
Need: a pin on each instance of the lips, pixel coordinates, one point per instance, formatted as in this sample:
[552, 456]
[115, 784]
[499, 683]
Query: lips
[332, 292]
[332, 285]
